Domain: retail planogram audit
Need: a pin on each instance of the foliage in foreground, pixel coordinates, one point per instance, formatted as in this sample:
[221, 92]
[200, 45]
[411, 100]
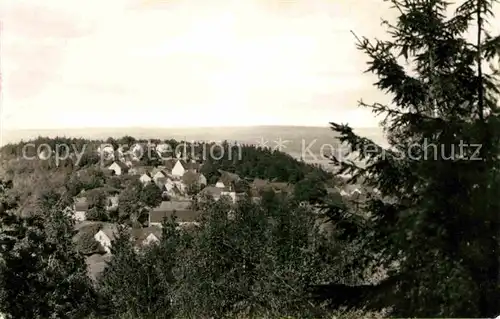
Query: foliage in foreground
[41, 274]
[254, 259]
[437, 229]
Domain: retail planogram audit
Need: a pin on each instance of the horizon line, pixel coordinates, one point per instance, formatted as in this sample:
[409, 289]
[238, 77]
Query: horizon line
[176, 127]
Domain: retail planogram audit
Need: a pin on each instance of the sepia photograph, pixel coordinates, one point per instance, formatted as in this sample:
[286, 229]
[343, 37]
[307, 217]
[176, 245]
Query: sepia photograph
[249, 159]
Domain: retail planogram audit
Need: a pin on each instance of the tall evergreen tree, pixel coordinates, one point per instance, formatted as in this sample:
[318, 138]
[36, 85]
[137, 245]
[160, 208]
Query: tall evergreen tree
[42, 275]
[438, 222]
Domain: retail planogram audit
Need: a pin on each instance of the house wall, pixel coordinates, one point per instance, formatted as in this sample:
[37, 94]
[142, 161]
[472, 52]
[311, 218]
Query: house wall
[104, 240]
[116, 168]
[145, 179]
[178, 169]
[202, 180]
[80, 216]
[220, 185]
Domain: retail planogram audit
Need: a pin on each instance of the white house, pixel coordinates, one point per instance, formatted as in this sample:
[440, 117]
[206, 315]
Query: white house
[105, 236]
[179, 168]
[118, 167]
[145, 179]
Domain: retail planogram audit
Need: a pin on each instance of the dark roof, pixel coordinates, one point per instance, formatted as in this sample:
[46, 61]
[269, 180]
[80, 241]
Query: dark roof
[81, 207]
[173, 205]
[81, 204]
[260, 183]
[167, 208]
[110, 230]
[182, 215]
[211, 191]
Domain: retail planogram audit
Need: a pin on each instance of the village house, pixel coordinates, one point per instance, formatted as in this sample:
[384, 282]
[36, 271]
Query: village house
[165, 184]
[227, 180]
[140, 170]
[119, 168]
[159, 173]
[146, 236]
[112, 202]
[181, 209]
[217, 193]
[80, 209]
[145, 179]
[105, 236]
[179, 168]
[259, 185]
[175, 194]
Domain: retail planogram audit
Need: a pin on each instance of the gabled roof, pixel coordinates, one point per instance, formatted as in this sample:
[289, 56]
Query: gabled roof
[146, 174]
[120, 164]
[187, 164]
[158, 170]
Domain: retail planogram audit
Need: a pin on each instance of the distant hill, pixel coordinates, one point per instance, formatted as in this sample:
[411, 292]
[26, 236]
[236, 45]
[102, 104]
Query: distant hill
[295, 139]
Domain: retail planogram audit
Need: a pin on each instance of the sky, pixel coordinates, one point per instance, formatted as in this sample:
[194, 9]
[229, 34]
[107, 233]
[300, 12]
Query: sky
[184, 63]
